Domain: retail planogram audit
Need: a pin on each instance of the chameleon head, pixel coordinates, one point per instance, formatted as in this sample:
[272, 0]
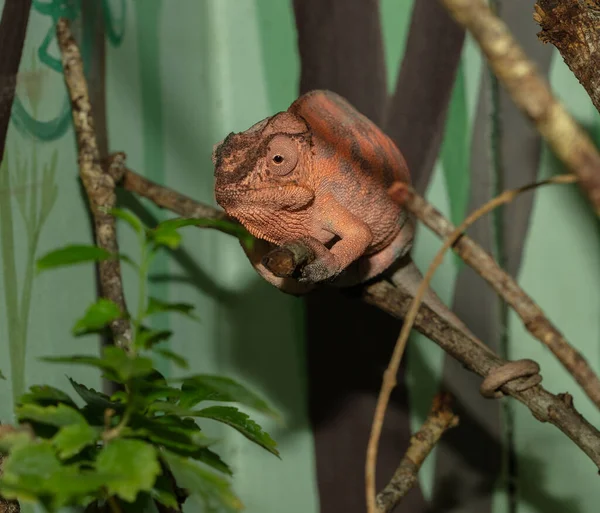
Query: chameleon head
[262, 176]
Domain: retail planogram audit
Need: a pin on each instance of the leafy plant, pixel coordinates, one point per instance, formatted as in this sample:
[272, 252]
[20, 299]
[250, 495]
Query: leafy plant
[143, 443]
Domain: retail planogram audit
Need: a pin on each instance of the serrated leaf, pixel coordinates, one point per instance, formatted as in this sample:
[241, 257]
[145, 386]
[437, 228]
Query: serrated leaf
[45, 395]
[129, 217]
[212, 459]
[71, 255]
[60, 415]
[182, 436]
[70, 440]
[211, 492]
[242, 423]
[93, 398]
[147, 338]
[97, 316]
[157, 306]
[178, 360]
[35, 460]
[65, 486]
[163, 492]
[208, 387]
[118, 365]
[134, 462]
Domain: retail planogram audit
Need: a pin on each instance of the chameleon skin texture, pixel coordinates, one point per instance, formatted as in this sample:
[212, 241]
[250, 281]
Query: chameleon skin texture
[317, 173]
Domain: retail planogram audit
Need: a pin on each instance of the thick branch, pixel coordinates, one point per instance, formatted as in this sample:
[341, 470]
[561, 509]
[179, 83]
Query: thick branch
[531, 93]
[573, 27]
[533, 317]
[98, 183]
[439, 420]
[395, 300]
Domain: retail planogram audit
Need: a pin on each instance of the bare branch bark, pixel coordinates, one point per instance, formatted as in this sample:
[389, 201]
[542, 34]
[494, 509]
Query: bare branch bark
[573, 27]
[440, 419]
[98, 183]
[533, 317]
[386, 294]
[531, 93]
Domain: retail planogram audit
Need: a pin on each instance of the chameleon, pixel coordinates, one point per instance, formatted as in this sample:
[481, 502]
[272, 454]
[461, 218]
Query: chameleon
[318, 175]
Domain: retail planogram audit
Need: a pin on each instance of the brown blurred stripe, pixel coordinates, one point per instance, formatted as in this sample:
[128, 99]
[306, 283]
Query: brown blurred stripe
[349, 342]
[417, 111]
[341, 49]
[474, 452]
[13, 29]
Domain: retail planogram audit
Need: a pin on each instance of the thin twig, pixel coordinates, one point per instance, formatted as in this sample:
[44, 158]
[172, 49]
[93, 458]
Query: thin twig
[396, 300]
[99, 185]
[533, 317]
[398, 192]
[440, 419]
[168, 198]
[531, 93]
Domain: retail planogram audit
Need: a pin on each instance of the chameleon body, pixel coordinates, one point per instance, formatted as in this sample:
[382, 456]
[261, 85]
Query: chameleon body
[317, 173]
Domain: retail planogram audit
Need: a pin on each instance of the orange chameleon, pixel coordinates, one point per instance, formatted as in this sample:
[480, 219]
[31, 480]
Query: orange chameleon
[318, 175]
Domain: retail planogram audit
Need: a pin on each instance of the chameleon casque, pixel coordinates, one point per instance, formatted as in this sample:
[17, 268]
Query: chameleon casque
[318, 174]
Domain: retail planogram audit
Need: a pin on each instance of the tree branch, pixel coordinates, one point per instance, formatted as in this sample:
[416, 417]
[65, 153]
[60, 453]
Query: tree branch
[531, 93]
[533, 317]
[440, 419]
[98, 183]
[472, 353]
[573, 27]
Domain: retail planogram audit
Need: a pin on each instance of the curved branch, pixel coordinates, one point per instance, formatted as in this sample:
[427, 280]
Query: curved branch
[395, 300]
[531, 93]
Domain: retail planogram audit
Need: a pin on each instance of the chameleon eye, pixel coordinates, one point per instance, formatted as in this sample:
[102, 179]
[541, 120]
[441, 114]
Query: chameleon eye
[282, 155]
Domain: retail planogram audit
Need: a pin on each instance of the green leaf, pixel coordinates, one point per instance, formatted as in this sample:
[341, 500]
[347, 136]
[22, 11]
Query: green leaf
[208, 387]
[212, 459]
[62, 486]
[242, 423]
[35, 460]
[157, 306]
[163, 492]
[97, 316]
[178, 360]
[118, 365]
[169, 238]
[146, 338]
[70, 440]
[210, 492]
[71, 255]
[2, 376]
[60, 415]
[96, 400]
[130, 218]
[133, 463]
[46, 395]
[224, 225]
[182, 436]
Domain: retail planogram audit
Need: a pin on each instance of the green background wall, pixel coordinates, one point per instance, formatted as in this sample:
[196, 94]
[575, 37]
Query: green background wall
[182, 76]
